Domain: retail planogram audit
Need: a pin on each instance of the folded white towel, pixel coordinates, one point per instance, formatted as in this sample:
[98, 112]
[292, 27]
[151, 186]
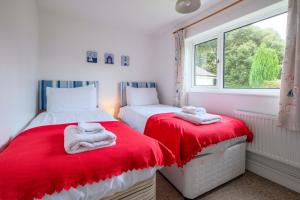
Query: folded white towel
[75, 141]
[205, 118]
[86, 127]
[193, 110]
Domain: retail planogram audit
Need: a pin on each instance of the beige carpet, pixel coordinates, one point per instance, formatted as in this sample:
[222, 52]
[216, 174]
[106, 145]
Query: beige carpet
[246, 187]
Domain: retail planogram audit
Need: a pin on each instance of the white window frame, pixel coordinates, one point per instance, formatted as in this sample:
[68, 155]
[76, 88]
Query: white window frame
[209, 38]
[219, 34]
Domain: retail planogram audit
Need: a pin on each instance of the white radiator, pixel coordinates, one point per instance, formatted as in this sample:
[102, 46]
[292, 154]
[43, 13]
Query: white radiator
[270, 140]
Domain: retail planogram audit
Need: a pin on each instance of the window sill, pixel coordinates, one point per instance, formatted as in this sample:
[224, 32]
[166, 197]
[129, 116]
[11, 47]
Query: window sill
[250, 92]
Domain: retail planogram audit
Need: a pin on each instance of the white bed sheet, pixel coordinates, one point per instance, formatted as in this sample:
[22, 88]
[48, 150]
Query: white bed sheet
[48, 118]
[100, 189]
[137, 116]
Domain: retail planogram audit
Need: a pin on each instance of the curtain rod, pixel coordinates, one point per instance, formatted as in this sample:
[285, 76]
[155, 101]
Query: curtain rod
[208, 16]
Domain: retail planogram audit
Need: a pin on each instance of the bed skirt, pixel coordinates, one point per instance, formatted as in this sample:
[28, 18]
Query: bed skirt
[145, 190]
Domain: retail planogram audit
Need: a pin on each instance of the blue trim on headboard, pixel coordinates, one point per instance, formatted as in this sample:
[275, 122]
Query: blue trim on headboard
[43, 84]
[123, 85]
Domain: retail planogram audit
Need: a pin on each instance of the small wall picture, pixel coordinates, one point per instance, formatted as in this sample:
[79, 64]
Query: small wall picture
[91, 56]
[109, 58]
[125, 61]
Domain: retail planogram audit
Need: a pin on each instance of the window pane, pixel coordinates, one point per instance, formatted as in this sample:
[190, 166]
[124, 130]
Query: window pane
[205, 68]
[253, 54]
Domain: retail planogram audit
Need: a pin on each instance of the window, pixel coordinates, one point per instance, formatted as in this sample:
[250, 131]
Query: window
[245, 54]
[253, 54]
[205, 63]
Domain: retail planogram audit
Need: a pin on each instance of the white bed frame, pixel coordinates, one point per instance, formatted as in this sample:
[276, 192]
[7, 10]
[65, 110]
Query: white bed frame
[207, 172]
[145, 190]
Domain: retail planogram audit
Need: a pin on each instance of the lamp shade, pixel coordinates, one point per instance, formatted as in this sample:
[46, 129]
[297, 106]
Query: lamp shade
[187, 6]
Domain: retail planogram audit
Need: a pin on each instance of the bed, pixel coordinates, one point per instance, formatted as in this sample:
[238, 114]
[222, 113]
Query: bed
[211, 167]
[135, 183]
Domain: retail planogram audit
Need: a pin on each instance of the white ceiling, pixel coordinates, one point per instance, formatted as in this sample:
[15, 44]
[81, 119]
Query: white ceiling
[149, 16]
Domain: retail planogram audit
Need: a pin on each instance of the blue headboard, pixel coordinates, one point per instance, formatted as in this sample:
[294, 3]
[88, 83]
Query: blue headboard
[43, 84]
[135, 84]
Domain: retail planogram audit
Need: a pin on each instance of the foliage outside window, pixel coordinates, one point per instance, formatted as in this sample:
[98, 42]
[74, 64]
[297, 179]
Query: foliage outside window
[252, 56]
[205, 69]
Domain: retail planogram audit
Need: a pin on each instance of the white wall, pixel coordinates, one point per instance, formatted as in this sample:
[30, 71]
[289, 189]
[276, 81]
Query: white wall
[165, 69]
[63, 44]
[228, 103]
[222, 103]
[18, 64]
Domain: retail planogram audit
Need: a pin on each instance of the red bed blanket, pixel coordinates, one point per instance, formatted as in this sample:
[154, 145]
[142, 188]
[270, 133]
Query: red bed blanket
[35, 163]
[185, 139]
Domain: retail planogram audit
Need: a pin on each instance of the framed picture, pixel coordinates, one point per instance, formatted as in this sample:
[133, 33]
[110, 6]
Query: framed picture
[125, 61]
[109, 58]
[91, 56]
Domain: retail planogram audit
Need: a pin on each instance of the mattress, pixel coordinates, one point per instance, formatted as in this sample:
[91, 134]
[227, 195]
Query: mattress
[137, 116]
[100, 189]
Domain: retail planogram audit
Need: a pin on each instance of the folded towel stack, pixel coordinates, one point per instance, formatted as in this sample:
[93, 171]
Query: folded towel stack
[90, 127]
[197, 115]
[193, 110]
[86, 137]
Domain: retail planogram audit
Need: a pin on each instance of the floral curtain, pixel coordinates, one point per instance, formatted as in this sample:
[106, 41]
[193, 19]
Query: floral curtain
[180, 98]
[289, 113]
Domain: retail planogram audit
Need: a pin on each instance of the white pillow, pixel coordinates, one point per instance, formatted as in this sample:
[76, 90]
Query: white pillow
[71, 99]
[141, 96]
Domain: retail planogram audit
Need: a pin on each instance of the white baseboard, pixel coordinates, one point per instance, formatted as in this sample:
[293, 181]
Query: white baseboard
[275, 171]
